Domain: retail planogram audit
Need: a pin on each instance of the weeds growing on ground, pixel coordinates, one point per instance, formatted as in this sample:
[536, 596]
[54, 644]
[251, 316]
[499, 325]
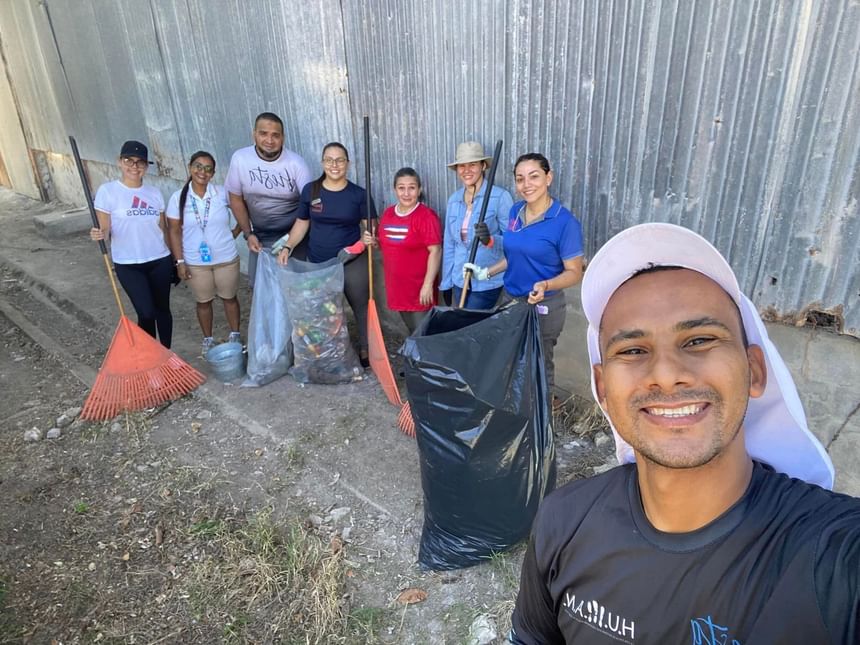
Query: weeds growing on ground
[580, 417]
[265, 581]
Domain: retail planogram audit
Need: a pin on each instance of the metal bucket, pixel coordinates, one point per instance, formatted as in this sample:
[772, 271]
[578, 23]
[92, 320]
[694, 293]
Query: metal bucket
[227, 361]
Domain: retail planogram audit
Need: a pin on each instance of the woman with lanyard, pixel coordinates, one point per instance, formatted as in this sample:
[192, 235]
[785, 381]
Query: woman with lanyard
[461, 213]
[543, 253]
[410, 237]
[131, 216]
[334, 209]
[202, 243]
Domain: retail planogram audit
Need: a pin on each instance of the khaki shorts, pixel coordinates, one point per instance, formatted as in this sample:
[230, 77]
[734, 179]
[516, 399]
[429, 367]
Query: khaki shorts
[209, 279]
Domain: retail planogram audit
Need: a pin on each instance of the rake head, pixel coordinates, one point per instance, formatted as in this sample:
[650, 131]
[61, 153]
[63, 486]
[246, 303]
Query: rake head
[138, 372]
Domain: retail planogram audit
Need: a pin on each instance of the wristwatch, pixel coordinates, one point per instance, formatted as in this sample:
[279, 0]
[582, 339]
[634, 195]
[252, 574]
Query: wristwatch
[249, 233]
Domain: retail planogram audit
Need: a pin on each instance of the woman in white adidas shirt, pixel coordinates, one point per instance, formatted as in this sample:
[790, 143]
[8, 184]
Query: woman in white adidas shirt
[202, 242]
[131, 216]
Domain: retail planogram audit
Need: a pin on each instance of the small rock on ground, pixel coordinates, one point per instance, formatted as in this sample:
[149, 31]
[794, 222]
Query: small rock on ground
[338, 513]
[64, 421]
[33, 434]
[54, 433]
[604, 467]
[601, 440]
[482, 631]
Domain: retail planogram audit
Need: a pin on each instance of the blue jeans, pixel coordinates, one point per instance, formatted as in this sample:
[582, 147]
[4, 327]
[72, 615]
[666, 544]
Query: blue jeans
[476, 299]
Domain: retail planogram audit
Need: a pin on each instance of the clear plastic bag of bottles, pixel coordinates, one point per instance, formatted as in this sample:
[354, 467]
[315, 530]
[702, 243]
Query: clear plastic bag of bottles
[270, 352]
[321, 347]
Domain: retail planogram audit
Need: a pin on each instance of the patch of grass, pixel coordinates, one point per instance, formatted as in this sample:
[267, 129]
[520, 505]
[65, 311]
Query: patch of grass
[364, 623]
[295, 458]
[265, 580]
[580, 417]
[460, 616]
[205, 528]
[233, 629]
[507, 569]
[81, 507]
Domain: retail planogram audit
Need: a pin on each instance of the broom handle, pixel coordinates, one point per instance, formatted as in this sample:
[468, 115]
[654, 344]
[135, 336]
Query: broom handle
[368, 200]
[89, 196]
[473, 252]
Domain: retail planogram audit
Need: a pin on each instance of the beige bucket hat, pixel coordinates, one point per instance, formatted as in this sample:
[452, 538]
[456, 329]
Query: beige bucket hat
[467, 153]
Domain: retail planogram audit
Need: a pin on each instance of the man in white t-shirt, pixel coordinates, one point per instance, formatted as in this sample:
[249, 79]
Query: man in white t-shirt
[264, 182]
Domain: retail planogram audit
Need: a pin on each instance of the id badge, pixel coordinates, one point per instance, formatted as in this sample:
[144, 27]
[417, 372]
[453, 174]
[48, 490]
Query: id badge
[205, 255]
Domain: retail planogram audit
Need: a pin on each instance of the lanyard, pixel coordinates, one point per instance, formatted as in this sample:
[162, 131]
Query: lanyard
[202, 224]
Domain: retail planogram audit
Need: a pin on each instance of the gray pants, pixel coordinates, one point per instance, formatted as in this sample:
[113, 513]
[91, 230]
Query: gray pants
[551, 325]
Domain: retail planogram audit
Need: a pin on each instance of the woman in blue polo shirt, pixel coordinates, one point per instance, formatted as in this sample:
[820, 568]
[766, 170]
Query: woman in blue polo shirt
[543, 252]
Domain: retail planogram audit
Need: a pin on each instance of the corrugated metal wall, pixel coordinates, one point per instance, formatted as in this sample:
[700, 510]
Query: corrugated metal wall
[738, 118]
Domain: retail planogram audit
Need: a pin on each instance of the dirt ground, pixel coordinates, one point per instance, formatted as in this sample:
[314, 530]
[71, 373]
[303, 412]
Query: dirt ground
[199, 522]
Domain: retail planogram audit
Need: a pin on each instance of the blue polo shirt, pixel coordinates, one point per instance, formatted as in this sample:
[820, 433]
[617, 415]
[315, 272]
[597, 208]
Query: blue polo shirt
[537, 252]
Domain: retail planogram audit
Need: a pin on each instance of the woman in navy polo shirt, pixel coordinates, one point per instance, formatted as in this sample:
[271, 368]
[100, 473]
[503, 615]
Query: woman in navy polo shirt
[543, 252]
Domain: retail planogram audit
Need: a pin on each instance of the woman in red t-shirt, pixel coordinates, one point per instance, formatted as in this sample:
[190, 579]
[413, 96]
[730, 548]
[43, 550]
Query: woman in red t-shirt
[410, 236]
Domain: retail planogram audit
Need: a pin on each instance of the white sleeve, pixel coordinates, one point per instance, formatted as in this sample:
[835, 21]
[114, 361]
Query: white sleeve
[233, 181]
[173, 206]
[104, 199]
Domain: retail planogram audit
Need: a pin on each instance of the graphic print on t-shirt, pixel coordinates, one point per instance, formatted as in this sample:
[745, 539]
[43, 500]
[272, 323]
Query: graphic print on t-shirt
[396, 233]
[705, 631]
[593, 614]
[271, 180]
[140, 207]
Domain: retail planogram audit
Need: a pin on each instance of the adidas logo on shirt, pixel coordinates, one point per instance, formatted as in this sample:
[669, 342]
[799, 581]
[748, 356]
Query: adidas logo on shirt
[140, 208]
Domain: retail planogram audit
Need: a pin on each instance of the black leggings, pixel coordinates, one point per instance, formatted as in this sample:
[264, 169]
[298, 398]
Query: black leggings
[356, 288]
[148, 286]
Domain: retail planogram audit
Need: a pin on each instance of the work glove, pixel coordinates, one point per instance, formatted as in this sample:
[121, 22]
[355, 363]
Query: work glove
[278, 246]
[479, 273]
[482, 232]
[349, 253]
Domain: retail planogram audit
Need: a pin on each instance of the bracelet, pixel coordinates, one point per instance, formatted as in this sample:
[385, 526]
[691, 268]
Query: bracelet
[289, 250]
[180, 261]
[546, 285]
[248, 234]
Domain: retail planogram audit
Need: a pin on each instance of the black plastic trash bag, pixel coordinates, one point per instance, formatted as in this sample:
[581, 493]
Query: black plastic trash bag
[321, 346]
[270, 352]
[478, 393]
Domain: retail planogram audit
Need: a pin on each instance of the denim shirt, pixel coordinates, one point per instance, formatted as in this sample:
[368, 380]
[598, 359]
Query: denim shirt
[455, 252]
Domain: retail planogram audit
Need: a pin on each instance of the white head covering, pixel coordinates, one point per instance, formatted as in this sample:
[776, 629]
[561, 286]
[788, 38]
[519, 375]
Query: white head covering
[775, 424]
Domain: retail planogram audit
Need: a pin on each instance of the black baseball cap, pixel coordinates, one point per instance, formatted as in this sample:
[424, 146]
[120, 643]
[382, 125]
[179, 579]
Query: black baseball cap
[135, 149]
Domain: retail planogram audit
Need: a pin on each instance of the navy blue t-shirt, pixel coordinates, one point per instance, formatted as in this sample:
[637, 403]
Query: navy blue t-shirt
[335, 216]
[780, 566]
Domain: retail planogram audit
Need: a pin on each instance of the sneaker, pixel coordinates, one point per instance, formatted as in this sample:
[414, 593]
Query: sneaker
[208, 343]
[234, 337]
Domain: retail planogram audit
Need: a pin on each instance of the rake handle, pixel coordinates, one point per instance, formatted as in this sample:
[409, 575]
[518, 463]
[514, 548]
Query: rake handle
[85, 184]
[473, 251]
[366, 121]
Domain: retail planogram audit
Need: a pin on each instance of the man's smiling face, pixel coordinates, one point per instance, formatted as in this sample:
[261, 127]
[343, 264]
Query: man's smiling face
[675, 377]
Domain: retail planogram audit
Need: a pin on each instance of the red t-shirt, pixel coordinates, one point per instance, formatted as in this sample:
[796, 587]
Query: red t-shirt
[404, 242]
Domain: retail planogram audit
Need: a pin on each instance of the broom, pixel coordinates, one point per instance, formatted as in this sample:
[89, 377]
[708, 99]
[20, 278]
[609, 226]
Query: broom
[473, 251]
[138, 372]
[376, 352]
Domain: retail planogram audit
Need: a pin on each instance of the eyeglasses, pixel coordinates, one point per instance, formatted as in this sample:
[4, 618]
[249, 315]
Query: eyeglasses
[134, 162]
[340, 161]
[205, 168]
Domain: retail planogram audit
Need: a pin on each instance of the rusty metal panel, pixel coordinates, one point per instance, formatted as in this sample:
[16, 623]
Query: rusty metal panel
[737, 118]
